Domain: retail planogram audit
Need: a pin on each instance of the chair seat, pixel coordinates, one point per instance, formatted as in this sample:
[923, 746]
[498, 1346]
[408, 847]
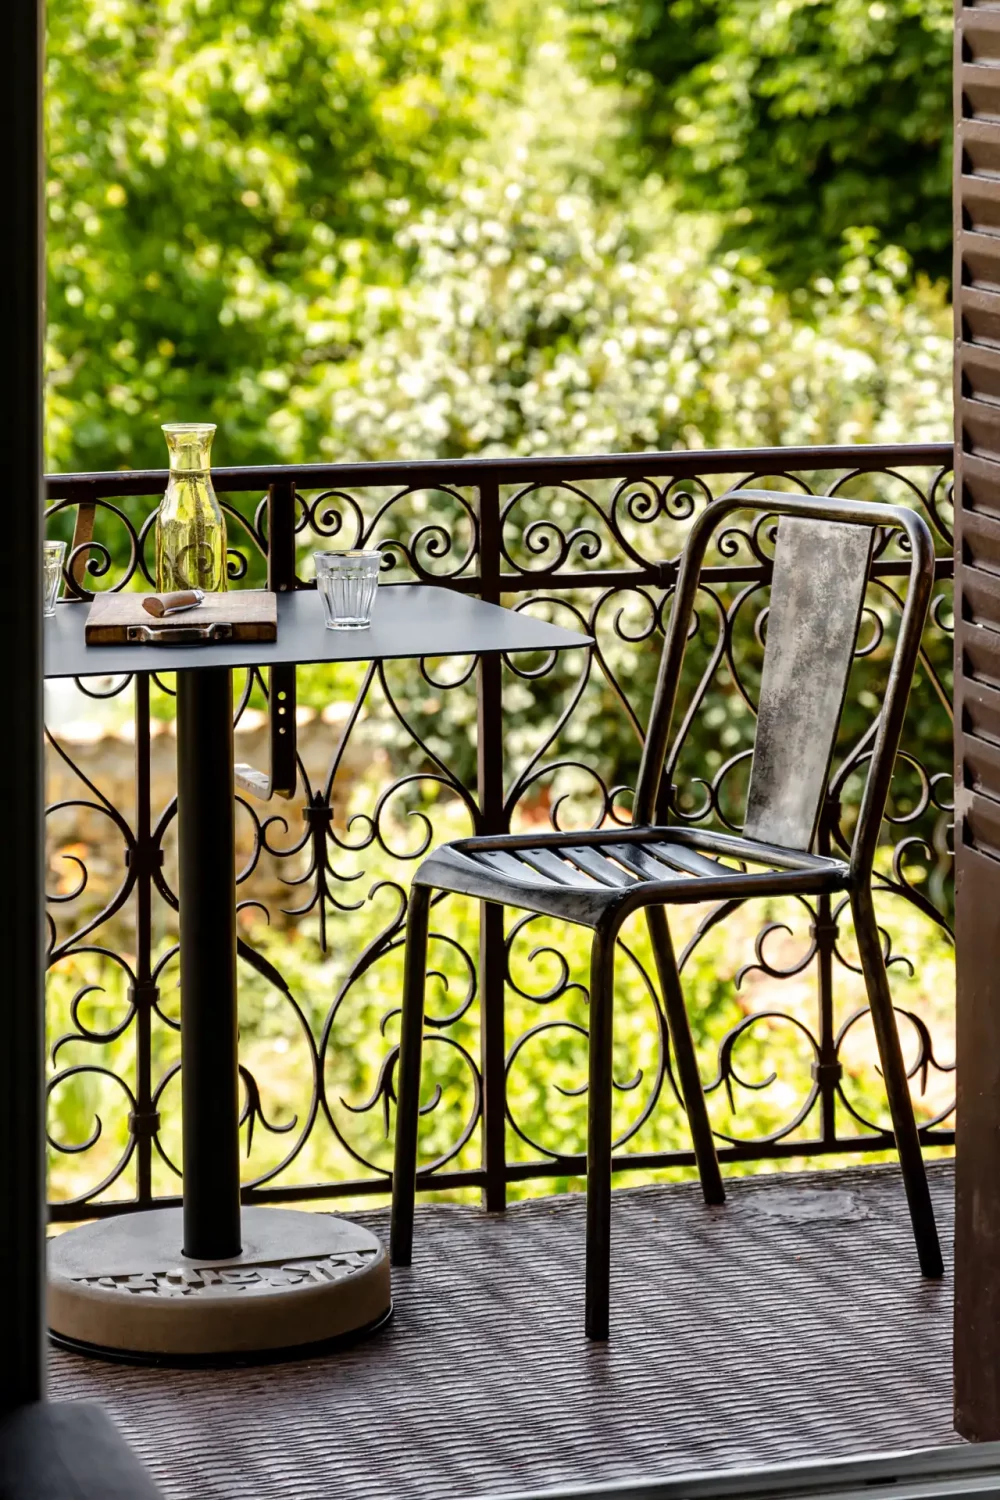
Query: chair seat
[579, 877]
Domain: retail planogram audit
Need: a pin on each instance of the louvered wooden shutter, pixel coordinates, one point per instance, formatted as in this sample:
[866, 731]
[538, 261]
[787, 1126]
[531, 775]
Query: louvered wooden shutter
[977, 714]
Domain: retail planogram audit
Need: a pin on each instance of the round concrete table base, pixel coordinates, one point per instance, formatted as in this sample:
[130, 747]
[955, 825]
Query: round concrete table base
[123, 1288]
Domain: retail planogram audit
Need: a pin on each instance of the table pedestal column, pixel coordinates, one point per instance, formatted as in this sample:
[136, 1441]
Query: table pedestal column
[206, 1282]
[210, 1084]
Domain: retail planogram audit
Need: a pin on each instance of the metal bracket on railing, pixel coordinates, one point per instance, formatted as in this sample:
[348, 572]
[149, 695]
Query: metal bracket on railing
[282, 773]
[144, 1123]
[824, 932]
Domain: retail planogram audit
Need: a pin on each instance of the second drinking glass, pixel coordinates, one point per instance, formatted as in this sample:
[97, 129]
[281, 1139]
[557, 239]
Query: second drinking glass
[347, 584]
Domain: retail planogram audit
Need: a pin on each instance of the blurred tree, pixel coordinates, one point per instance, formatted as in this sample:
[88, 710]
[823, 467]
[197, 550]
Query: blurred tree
[800, 120]
[223, 178]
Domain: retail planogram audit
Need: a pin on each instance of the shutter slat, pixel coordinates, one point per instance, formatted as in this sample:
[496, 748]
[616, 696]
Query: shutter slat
[980, 428]
[979, 259]
[981, 542]
[982, 766]
[981, 716]
[981, 317]
[980, 482]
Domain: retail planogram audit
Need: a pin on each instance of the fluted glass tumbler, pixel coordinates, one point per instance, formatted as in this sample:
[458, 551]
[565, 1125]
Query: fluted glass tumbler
[53, 556]
[347, 584]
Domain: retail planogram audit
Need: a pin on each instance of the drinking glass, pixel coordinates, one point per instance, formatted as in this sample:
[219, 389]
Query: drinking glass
[347, 582]
[53, 556]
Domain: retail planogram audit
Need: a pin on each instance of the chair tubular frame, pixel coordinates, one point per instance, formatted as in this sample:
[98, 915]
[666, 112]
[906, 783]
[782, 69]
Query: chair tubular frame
[453, 868]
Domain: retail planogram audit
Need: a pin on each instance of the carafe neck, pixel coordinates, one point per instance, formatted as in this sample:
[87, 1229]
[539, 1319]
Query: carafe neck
[190, 446]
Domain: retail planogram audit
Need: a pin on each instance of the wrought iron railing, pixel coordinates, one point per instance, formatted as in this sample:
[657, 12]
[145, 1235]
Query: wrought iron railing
[439, 749]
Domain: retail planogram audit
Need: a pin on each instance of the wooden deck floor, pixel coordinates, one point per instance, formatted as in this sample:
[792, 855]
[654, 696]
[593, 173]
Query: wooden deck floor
[790, 1324]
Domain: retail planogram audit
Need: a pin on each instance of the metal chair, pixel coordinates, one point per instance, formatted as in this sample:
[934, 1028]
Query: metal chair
[598, 878]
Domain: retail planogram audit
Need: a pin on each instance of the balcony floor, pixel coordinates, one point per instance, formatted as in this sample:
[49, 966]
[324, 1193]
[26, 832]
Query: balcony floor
[790, 1324]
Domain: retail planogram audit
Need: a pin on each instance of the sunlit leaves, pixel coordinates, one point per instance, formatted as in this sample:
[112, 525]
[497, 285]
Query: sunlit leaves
[800, 120]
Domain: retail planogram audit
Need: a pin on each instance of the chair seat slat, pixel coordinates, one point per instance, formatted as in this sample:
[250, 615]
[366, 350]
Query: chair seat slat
[690, 860]
[595, 864]
[547, 863]
[508, 865]
[640, 859]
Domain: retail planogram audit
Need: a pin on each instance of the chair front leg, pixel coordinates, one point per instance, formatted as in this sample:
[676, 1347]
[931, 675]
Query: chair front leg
[602, 995]
[404, 1172]
[682, 1041]
[896, 1085]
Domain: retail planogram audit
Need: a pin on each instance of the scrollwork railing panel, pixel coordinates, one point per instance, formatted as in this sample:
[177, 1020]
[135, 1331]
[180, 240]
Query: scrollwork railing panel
[387, 758]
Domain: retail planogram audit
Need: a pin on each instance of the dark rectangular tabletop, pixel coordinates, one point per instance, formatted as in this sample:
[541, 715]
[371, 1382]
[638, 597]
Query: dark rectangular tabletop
[409, 620]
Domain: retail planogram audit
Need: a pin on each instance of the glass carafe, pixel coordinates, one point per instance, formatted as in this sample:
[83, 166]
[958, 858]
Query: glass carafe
[190, 526]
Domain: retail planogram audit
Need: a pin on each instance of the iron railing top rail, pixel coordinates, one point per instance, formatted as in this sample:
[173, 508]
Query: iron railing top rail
[513, 470]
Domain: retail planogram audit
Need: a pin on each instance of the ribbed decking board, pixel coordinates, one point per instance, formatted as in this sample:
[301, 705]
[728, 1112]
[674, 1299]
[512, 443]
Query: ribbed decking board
[791, 1323]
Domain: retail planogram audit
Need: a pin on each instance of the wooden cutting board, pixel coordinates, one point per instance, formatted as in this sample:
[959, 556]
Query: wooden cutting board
[243, 615]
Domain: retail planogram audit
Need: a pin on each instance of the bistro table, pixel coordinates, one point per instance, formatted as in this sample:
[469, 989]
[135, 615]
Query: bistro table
[205, 1280]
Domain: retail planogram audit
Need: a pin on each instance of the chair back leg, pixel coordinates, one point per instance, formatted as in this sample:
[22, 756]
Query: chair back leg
[404, 1172]
[602, 994]
[686, 1061]
[896, 1085]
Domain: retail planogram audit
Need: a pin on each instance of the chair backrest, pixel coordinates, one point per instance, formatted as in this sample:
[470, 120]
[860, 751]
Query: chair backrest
[820, 573]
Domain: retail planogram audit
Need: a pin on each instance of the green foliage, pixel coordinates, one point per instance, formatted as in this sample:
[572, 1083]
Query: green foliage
[799, 120]
[540, 315]
[224, 178]
[420, 237]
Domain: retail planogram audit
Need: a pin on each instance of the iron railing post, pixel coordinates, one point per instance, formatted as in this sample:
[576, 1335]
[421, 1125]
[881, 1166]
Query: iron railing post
[828, 1070]
[145, 1121]
[281, 536]
[83, 533]
[492, 951]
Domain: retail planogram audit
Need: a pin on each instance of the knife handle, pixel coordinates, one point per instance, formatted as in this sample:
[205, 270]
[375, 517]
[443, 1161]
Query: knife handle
[159, 605]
